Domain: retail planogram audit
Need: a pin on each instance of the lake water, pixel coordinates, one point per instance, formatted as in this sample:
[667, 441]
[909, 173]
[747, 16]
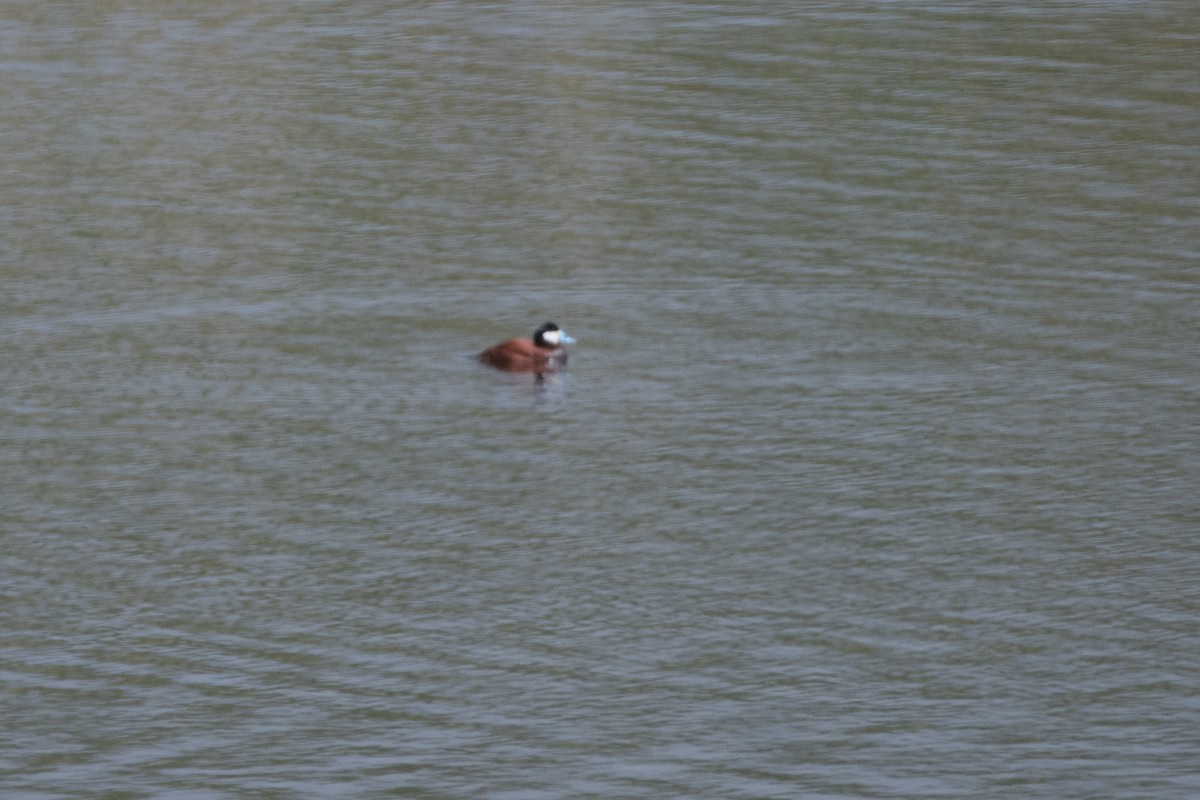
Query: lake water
[876, 473]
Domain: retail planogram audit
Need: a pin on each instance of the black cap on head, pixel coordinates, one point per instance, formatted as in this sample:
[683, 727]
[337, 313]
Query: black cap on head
[539, 336]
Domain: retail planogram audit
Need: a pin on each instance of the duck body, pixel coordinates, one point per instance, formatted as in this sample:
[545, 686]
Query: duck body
[542, 353]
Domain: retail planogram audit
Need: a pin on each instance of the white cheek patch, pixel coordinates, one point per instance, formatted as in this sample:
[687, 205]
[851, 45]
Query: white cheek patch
[551, 337]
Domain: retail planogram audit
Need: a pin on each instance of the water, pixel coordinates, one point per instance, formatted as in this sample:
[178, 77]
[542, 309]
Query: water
[874, 474]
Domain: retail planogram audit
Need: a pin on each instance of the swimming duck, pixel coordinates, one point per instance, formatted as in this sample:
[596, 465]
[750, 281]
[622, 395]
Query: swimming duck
[542, 353]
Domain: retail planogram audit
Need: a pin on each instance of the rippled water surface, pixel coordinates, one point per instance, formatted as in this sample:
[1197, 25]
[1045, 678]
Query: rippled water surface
[875, 473]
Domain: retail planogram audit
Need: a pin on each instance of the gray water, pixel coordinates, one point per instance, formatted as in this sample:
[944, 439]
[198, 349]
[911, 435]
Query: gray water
[875, 473]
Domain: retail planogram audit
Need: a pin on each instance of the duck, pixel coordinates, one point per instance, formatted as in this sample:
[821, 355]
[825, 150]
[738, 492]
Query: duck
[541, 353]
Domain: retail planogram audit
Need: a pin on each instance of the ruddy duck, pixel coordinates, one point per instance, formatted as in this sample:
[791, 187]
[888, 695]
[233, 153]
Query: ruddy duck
[543, 353]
